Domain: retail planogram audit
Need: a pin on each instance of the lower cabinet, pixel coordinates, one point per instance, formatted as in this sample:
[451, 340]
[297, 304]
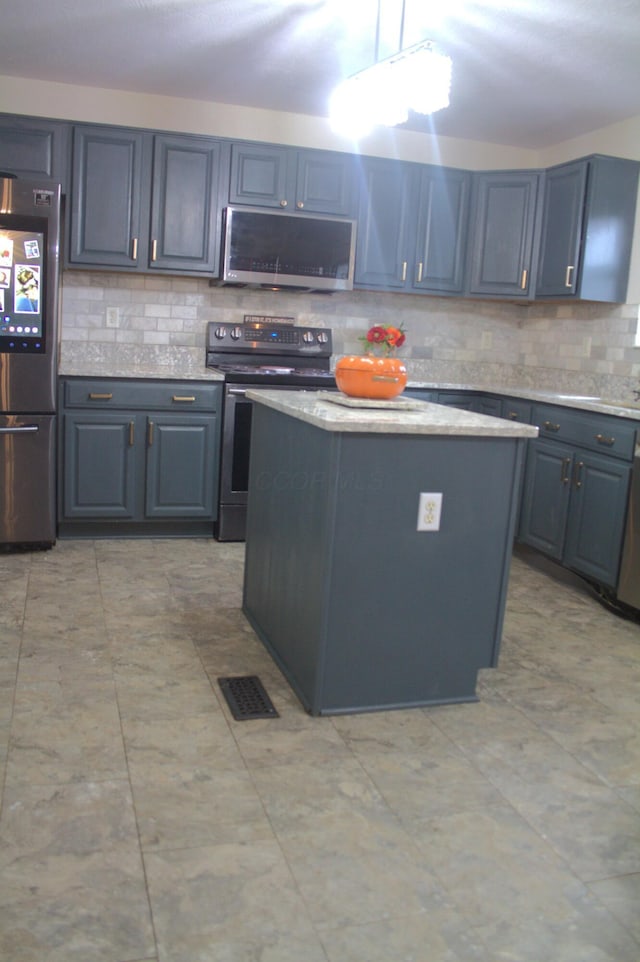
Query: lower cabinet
[574, 501]
[138, 457]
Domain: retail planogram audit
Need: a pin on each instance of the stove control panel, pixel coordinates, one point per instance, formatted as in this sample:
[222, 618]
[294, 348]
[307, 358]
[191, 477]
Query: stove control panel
[259, 338]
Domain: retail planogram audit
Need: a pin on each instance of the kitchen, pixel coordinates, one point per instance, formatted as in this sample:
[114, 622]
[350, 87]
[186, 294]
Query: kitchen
[527, 799]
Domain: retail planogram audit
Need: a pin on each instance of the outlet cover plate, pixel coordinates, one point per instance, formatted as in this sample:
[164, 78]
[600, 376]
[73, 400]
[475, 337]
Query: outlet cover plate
[429, 511]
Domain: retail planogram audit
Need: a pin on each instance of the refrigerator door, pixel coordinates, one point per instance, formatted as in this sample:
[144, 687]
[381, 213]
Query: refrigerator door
[27, 480]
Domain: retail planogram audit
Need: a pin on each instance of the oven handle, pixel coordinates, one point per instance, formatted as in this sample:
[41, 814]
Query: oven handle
[237, 391]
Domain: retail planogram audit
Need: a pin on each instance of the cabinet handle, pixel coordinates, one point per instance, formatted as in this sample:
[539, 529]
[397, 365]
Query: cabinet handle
[419, 278]
[283, 202]
[567, 277]
[404, 271]
[550, 426]
[100, 397]
[131, 433]
[154, 250]
[578, 472]
[564, 470]
[134, 249]
[176, 397]
[300, 205]
[523, 280]
[150, 433]
[603, 439]
[512, 415]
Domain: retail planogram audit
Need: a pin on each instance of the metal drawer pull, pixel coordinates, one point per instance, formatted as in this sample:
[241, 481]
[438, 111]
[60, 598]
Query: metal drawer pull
[21, 429]
[603, 439]
[154, 250]
[100, 397]
[513, 415]
[420, 269]
[564, 471]
[567, 277]
[131, 433]
[150, 434]
[404, 271]
[134, 249]
[578, 473]
[550, 426]
[176, 397]
[523, 282]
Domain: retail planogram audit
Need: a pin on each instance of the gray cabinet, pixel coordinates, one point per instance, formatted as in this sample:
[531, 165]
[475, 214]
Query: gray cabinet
[316, 181]
[411, 227]
[145, 202]
[31, 147]
[576, 488]
[501, 240]
[109, 213]
[138, 457]
[588, 220]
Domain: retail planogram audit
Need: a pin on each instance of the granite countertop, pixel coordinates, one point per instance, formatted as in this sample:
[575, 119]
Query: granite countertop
[583, 402]
[332, 412]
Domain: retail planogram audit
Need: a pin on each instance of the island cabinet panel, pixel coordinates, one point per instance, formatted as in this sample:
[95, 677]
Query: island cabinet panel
[32, 148]
[359, 609]
[501, 246]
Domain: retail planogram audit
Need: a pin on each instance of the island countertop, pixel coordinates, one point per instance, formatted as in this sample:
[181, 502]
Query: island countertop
[333, 412]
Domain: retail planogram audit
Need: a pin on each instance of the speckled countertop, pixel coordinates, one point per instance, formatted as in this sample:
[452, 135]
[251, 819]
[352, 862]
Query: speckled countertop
[81, 359]
[421, 417]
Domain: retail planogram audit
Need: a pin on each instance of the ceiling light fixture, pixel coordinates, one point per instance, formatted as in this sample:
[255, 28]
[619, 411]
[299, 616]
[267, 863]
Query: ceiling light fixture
[417, 78]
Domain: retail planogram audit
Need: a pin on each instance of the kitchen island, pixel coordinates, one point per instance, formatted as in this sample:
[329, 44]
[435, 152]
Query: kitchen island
[360, 609]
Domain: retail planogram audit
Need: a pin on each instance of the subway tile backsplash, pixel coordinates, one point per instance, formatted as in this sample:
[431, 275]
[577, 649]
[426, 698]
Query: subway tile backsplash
[584, 348]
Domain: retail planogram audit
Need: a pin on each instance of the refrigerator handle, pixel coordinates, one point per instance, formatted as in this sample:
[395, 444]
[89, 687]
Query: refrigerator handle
[23, 429]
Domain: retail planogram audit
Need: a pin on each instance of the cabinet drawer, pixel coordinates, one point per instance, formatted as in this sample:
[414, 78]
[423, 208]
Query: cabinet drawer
[597, 432]
[159, 395]
[515, 409]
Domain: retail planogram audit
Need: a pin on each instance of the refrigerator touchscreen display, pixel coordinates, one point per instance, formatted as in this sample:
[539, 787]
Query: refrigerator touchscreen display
[21, 293]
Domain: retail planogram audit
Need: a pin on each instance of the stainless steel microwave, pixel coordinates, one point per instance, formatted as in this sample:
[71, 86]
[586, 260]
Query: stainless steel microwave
[270, 249]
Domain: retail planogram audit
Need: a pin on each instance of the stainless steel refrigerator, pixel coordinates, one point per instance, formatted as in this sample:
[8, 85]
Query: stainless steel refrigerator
[29, 280]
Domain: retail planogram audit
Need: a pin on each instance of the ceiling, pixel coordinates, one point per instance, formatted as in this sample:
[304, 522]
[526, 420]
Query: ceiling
[530, 73]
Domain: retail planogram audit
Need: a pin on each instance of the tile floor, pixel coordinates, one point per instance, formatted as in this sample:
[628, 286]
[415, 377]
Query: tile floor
[141, 823]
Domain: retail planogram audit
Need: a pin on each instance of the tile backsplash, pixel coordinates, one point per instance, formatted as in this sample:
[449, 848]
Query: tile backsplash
[581, 347]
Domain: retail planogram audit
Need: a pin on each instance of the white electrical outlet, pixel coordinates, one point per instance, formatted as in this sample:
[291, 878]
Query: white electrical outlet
[429, 511]
[112, 317]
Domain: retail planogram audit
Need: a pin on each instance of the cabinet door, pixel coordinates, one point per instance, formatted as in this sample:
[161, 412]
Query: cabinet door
[562, 212]
[184, 206]
[110, 168]
[545, 497]
[483, 404]
[325, 183]
[32, 148]
[457, 399]
[259, 175]
[502, 233]
[595, 529]
[443, 203]
[99, 465]
[182, 466]
[383, 220]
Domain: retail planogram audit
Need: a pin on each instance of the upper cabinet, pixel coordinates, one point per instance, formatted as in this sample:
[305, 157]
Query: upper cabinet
[588, 219]
[315, 181]
[411, 227]
[501, 242]
[31, 148]
[145, 202]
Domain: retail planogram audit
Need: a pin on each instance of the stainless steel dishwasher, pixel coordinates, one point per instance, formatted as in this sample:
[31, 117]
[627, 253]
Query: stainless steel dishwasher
[629, 580]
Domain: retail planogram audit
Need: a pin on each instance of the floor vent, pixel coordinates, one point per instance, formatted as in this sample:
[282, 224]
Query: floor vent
[246, 697]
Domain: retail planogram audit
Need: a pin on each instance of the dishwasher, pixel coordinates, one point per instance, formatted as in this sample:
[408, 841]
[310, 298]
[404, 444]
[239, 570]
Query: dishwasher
[629, 579]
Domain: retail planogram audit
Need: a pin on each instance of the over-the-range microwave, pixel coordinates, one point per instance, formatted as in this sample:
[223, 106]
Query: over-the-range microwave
[279, 250]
